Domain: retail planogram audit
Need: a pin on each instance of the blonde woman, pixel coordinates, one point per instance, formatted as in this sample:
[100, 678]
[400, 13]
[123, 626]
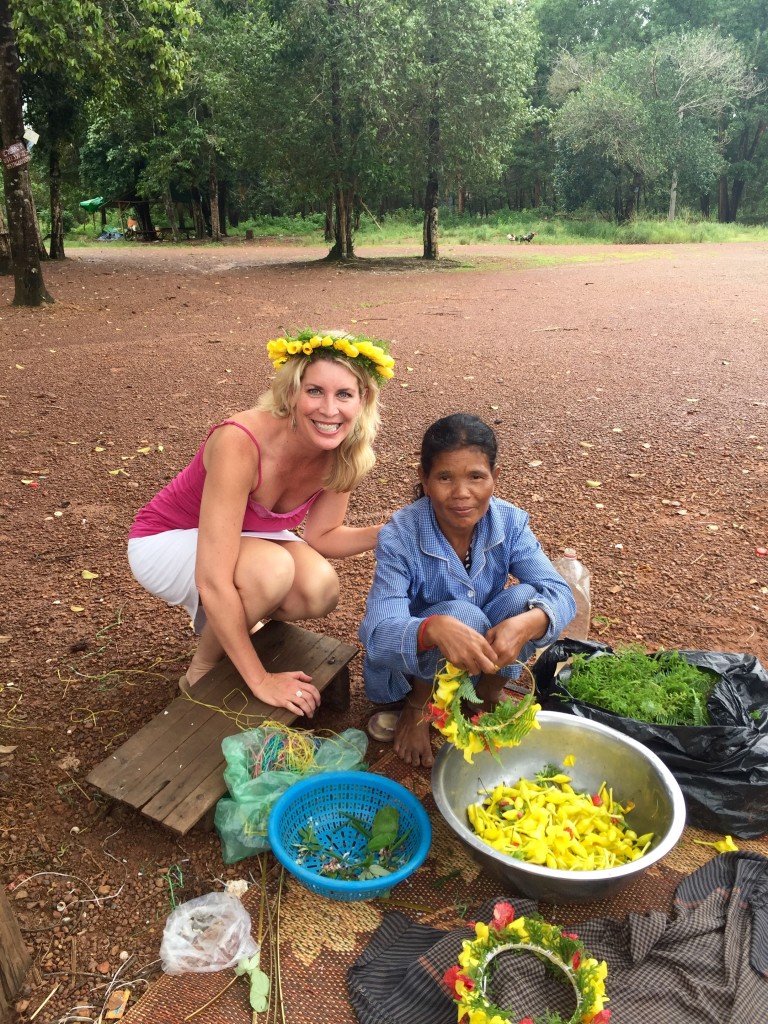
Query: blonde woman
[219, 540]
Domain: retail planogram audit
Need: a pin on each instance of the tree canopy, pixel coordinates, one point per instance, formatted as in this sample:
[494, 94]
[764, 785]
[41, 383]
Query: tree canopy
[225, 109]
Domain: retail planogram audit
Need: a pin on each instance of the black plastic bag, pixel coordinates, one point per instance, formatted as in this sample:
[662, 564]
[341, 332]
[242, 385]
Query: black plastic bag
[722, 768]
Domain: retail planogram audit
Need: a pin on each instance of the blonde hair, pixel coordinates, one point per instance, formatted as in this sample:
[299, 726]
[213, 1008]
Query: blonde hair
[354, 457]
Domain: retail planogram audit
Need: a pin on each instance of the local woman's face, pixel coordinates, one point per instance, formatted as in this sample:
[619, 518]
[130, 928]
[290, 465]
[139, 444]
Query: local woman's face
[460, 485]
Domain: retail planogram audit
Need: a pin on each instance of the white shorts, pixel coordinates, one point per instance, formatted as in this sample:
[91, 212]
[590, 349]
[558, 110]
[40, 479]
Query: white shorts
[164, 564]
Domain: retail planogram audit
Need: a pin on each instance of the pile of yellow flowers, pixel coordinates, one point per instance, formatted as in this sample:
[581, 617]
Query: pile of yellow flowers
[547, 822]
[370, 353]
[505, 726]
[468, 980]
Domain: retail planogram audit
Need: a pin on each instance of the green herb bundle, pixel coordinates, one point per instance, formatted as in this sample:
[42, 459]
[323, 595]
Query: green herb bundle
[660, 688]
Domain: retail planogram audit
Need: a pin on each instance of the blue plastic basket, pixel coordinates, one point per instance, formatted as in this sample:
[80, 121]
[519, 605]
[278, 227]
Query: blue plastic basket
[323, 800]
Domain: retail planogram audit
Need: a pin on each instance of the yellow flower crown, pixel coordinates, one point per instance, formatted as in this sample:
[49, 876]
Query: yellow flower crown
[468, 981]
[505, 726]
[369, 353]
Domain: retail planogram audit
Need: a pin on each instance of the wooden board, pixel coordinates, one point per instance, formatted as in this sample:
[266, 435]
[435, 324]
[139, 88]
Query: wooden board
[172, 769]
[14, 955]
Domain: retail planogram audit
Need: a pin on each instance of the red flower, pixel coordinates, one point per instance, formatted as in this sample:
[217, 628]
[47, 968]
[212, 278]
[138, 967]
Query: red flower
[453, 974]
[597, 800]
[439, 715]
[570, 935]
[526, 1020]
[476, 718]
[602, 1018]
[503, 914]
[576, 960]
[450, 977]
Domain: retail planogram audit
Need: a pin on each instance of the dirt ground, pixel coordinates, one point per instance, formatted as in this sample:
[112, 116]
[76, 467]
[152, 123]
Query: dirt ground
[628, 389]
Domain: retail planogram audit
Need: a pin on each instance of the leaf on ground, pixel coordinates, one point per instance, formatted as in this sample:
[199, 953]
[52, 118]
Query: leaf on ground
[635, 476]
[5, 639]
[7, 750]
[594, 483]
[98, 449]
[535, 463]
[144, 451]
[76, 608]
[586, 444]
[114, 472]
[616, 430]
[88, 575]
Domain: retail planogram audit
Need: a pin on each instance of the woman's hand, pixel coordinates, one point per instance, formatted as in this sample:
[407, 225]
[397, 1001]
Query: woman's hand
[459, 644]
[291, 690]
[510, 636]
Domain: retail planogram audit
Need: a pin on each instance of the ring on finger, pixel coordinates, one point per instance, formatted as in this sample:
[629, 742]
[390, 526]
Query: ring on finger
[299, 693]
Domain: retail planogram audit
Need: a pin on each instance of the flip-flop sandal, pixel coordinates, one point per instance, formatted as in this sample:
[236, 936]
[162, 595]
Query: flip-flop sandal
[381, 726]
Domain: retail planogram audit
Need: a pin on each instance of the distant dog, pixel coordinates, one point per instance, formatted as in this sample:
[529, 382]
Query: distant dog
[522, 238]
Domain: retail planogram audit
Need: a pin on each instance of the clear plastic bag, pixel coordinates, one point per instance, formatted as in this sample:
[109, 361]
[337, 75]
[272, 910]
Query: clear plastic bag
[209, 933]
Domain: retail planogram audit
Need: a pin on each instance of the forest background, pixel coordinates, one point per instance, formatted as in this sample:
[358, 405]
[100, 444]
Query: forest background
[208, 116]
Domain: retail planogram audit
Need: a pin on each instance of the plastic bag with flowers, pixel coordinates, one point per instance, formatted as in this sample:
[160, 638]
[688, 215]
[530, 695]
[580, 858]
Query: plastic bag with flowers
[505, 726]
[562, 951]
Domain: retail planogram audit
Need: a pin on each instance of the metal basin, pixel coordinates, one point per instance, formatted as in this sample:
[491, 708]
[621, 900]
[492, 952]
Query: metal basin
[602, 755]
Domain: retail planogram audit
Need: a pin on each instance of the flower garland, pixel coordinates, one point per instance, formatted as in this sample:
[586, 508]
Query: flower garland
[468, 980]
[505, 726]
[369, 352]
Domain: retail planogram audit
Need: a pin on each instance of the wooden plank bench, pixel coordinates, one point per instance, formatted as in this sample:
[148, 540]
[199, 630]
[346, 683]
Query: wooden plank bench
[172, 769]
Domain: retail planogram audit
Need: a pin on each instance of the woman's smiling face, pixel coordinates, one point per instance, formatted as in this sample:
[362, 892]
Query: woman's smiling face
[460, 484]
[328, 404]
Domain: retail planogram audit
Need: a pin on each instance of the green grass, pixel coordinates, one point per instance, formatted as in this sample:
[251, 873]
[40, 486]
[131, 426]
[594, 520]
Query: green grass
[404, 227]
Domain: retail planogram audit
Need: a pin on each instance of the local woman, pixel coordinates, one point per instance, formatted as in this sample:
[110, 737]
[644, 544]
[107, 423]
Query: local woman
[441, 590]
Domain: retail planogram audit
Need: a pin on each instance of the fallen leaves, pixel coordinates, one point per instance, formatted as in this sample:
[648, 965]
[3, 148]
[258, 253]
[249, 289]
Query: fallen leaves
[88, 575]
[594, 483]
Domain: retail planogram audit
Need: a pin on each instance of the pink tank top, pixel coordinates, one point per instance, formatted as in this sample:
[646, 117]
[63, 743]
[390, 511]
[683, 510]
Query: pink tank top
[177, 506]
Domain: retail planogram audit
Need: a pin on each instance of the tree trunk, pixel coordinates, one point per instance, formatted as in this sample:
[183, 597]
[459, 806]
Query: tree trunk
[671, 214]
[432, 194]
[197, 213]
[57, 220]
[144, 217]
[6, 266]
[328, 234]
[22, 221]
[223, 203]
[723, 207]
[213, 194]
[170, 213]
[343, 247]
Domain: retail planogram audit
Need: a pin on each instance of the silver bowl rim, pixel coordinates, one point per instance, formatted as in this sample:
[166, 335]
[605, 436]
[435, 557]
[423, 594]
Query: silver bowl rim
[560, 874]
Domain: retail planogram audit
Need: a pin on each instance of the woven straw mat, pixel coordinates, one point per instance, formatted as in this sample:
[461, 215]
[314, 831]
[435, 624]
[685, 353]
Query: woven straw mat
[321, 938]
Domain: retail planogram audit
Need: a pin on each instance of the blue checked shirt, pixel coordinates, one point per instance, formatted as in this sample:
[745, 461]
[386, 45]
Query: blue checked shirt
[416, 569]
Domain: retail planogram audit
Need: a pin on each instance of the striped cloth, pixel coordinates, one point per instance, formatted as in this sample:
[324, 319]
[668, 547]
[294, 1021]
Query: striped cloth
[705, 963]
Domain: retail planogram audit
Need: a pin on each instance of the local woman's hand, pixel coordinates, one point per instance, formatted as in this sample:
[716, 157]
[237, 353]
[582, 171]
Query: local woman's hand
[460, 644]
[291, 690]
